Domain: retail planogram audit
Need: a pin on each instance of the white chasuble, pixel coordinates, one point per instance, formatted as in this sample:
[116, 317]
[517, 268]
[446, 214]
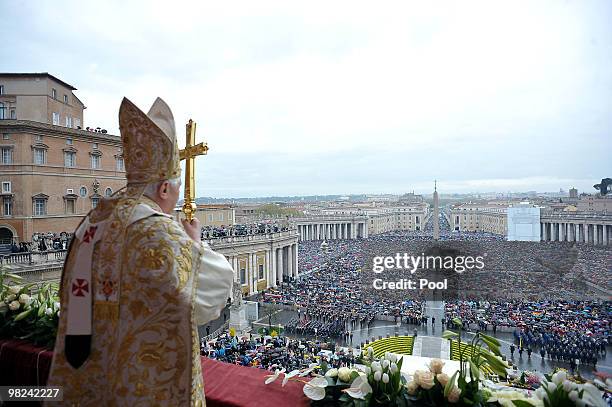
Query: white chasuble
[145, 349]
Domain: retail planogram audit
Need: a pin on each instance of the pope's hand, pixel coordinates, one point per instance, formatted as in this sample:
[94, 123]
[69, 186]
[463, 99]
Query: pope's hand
[193, 228]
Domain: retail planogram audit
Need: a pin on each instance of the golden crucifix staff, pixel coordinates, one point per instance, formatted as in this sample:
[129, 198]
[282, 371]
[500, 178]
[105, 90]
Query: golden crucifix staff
[189, 153]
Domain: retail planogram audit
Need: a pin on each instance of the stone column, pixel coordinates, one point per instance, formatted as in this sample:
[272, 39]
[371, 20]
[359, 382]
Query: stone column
[290, 260]
[295, 259]
[236, 267]
[561, 232]
[605, 234]
[596, 239]
[279, 264]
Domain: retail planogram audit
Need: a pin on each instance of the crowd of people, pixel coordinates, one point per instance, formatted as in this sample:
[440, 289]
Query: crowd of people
[43, 242]
[214, 232]
[537, 290]
[270, 353]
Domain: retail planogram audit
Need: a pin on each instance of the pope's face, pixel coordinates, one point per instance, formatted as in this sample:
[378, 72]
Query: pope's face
[173, 195]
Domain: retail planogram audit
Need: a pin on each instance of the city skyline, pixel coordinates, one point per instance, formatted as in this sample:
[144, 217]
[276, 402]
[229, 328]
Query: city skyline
[348, 99]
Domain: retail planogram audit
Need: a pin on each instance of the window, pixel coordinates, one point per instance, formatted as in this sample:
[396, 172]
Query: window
[8, 206]
[53, 93]
[69, 159]
[13, 114]
[108, 192]
[95, 162]
[2, 110]
[261, 272]
[69, 141]
[6, 187]
[77, 123]
[1, 89]
[220, 216]
[68, 121]
[95, 146]
[38, 138]
[7, 155]
[70, 206]
[40, 156]
[242, 276]
[83, 191]
[6, 136]
[56, 118]
[94, 202]
[120, 164]
[210, 217]
[40, 207]
[65, 98]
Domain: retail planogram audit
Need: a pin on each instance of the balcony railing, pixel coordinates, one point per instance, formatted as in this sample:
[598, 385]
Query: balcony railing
[33, 257]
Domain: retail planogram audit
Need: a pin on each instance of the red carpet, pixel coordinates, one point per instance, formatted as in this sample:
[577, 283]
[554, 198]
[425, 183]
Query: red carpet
[22, 363]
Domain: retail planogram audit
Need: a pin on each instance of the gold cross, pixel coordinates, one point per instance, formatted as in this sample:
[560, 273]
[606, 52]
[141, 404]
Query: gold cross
[188, 154]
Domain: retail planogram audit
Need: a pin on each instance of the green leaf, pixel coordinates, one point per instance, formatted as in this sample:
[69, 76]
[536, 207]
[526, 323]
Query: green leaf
[450, 384]
[474, 369]
[449, 334]
[521, 403]
[490, 339]
[458, 323]
[23, 314]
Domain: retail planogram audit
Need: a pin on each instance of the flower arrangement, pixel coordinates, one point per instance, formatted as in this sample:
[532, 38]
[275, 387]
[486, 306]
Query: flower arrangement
[380, 382]
[24, 315]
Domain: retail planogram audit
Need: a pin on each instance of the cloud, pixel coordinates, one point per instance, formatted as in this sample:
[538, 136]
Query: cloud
[378, 97]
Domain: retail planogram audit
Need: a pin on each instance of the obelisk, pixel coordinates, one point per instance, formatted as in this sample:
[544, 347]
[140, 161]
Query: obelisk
[436, 213]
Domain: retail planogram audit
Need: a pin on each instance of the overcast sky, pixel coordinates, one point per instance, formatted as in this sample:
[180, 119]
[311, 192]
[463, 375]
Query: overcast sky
[338, 97]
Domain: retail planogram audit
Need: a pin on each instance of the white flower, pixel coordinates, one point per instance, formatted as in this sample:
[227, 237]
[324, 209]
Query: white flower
[436, 365]
[306, 372]
[315, 389]
[48, 312]
[387, 355]
[10, 298]
[271, 378]
[370, 351]
[14, 305]
[24, 299]
[344, 374]
[385, 378]
[592, 396]
[573, 395]
[442, 378]
[568, 386]
[412, 387]
[385, 363]
[289, 376]
[551, 387]
[58, 313]
[454, 394]
[392, 357]
[56, 305]
[541, 393]
[376, 366]
[377, 375]
[359, 388]
[332, 373]
[368, 370]
[559, 377]
[424, 379]
[393, 368]
[14, 289]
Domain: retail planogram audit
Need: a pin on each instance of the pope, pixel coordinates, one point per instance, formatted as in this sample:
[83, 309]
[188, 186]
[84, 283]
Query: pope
[136, 284]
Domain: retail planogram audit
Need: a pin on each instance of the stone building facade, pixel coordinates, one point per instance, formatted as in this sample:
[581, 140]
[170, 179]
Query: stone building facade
[51, 175]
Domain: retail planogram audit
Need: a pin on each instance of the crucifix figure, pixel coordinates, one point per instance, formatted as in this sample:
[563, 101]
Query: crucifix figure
[188, 154]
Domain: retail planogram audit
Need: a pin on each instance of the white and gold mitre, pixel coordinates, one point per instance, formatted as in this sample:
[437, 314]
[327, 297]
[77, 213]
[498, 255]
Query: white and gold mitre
[150, 150]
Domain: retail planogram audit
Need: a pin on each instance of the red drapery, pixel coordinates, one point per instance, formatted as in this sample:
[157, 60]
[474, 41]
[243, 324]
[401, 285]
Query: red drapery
[225, 385]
